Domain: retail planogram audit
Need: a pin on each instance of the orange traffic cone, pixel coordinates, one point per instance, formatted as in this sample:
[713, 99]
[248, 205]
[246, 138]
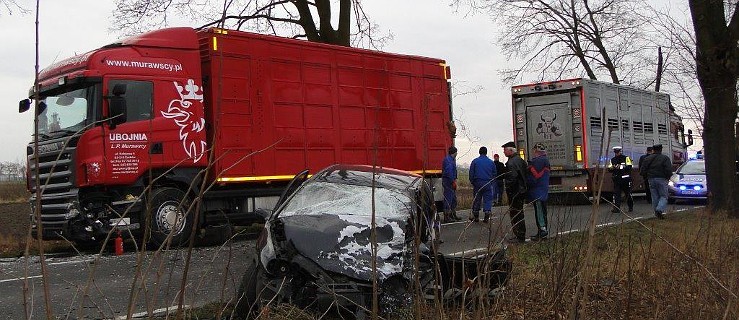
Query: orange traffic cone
[118, 245]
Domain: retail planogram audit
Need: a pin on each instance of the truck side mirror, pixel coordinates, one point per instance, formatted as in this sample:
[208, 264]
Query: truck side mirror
[24, 105]
[117, 105]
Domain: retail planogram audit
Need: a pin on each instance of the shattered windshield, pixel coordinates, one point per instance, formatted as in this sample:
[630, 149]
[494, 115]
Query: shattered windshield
[320, 197]
[64, 112]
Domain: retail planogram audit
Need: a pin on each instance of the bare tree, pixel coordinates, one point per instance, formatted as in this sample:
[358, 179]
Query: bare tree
[716, 25]
[341, 22]
[11, 7]
[673, 29]
[556, 38]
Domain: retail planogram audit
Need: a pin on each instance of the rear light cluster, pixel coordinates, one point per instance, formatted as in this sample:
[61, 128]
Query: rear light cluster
[578, 153]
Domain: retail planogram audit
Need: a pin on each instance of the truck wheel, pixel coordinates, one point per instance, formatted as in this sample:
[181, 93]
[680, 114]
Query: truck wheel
[246, 298]
[169, 214]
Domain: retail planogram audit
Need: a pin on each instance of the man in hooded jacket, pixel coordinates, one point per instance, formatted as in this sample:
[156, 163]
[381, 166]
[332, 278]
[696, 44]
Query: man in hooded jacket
[658, 169]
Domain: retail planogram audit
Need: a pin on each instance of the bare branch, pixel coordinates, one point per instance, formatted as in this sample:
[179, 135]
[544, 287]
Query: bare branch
[312, 20]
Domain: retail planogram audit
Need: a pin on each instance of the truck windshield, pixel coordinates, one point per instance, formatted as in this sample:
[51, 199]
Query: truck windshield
[65, 112]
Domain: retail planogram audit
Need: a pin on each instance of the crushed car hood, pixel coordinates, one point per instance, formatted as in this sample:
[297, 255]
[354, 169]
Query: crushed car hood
[341, 243]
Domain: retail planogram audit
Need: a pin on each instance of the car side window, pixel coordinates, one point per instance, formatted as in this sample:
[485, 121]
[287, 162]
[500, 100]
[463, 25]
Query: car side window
[139, 97]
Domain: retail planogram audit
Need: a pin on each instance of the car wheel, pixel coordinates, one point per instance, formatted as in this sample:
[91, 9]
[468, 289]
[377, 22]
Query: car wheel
[246, 299]
[170, 215]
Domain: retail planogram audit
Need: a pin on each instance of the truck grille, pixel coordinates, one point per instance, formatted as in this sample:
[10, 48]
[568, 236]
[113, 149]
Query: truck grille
[56, 179]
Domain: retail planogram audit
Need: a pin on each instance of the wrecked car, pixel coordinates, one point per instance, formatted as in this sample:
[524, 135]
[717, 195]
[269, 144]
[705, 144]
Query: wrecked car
[316, 247]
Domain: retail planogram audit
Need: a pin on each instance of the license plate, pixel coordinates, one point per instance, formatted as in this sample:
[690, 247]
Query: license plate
[689, 192]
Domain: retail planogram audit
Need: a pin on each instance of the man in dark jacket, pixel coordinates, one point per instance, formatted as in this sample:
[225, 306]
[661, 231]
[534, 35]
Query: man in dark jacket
[658, 169]
[620, 168]
[644, 176]
[538, 185]
[498, 191]
[515, 185]
[449, 184]
[482, 173]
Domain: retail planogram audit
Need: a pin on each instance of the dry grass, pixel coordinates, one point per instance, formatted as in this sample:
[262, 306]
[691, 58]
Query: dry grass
[685, 267]
[11, 192]
[13, 246]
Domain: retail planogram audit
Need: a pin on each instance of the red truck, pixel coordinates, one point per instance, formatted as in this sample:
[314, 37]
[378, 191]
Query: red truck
[131, 134]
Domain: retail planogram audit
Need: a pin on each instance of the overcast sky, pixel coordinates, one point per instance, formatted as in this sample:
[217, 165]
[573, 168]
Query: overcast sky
[73, 27]
[466, 42]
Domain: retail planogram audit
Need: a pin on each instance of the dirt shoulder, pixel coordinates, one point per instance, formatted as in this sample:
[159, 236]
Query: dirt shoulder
[14, 219]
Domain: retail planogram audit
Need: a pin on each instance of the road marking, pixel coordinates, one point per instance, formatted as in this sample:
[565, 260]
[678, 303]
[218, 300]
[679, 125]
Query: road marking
[476, 250]
[153, 313]
[70, 262]
[21, 278]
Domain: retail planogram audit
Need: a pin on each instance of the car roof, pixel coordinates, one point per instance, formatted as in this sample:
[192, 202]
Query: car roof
[362, 175]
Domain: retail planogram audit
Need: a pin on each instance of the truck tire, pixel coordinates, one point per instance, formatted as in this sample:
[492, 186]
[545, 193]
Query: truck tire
[169, 214]
[246, 298]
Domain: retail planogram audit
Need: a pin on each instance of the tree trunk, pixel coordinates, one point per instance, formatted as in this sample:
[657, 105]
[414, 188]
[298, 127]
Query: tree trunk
[720, 155]
[716, 59]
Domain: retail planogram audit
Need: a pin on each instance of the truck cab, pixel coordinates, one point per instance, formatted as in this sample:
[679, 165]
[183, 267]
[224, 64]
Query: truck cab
[105, 118]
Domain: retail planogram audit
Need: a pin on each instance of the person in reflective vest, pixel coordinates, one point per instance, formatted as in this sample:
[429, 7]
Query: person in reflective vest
[620, 168]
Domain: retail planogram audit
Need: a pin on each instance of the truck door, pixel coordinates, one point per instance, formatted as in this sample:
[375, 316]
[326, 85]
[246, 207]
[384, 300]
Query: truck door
[551, 125]
[127, 144]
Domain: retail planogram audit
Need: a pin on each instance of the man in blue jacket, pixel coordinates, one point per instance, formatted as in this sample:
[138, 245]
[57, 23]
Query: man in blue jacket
[482, 173]
[449, 184]
[538, 185]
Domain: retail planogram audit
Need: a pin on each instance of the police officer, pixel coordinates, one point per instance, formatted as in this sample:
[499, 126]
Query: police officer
[620, 168]
[515, 185]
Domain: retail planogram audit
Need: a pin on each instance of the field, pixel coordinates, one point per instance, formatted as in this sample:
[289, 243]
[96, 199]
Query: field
[15, 221]
[11, 192]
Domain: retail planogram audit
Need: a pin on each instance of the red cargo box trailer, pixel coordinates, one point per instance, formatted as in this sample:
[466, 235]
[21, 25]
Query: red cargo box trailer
[129, 130]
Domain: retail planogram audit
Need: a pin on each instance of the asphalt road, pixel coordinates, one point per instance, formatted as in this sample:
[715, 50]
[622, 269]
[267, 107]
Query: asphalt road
[99, 287]
[464, 238]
